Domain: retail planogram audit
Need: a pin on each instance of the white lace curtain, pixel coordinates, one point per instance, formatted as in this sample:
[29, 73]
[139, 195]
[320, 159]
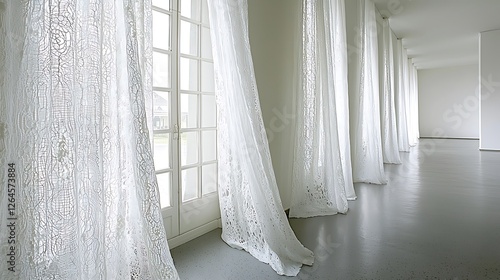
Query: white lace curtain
[407, 78]
[406, 100]
[416, 122]
[402, 97]
[388, 125]
[413, 133]
[339, 53]
[368, 164]
[319, 186]
[75, 77]
[251, 211]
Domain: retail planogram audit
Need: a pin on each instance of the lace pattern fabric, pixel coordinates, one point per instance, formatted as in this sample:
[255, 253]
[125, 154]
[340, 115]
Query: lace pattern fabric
[251, 211]
[338, 17]
[413, 133]
[402, 99]
[368, 165]
[389, 128]
[318, 187]
[76, 129]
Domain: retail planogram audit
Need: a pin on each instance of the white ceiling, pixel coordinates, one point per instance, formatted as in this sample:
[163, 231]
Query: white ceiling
[441, 33]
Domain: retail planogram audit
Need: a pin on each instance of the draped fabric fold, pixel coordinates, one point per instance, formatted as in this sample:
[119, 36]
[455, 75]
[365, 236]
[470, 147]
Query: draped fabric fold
[368, 165]
[339, 52]
[318, 186]
[251, 211]
[401, 98]
[389, 129]
[75, 76]
[416, 123]
[413, 105]
[407, 67]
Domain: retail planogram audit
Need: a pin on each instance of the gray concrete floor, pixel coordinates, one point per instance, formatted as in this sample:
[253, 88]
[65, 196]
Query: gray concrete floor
[437, 218]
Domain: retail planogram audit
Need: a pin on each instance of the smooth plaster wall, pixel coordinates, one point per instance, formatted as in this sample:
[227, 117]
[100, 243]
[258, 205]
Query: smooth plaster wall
[274, 33]
[490, 90]
[449, 102]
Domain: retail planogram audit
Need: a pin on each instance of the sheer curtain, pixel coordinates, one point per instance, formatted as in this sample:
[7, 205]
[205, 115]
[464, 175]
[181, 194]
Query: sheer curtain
[368, 164]
[416, 123]
[339, 53]
[413, 104]
[76, 139]
[389, 128]
[251, 211]
[401, 98]
[318, 187]
[407, 93]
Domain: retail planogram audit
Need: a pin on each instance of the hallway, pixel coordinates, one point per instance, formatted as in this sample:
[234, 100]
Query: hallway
[437, 218]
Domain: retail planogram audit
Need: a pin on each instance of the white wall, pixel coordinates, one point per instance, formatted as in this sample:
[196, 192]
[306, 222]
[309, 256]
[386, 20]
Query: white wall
[273, 27]
[490, 90]
[448, 102]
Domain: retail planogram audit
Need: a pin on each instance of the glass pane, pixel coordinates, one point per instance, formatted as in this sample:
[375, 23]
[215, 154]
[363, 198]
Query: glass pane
[161, 110]
[208, 111]
[161, 151]
[209, 179]
[164, 4]
[204, 12]
[189, 38]
[207, 77]
[189, 184]
[189, 148]
[161, 70]
[161, 30]
[191, 9]
[209, 145]
[164, 187]
[189, 110]
[189, 74]
[206, 44]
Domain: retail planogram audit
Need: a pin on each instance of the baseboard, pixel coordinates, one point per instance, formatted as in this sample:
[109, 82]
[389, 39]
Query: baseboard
[195, 233]
[450, 138]
[488, 150]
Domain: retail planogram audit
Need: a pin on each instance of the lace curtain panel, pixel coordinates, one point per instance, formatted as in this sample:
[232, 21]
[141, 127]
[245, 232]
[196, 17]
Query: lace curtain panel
[251, 211]
[401, 98]
[318, 185]
[339, 52]
[407, 89]
[413, 100]
[75, 140]
[368, 165]
[414, 104]
[390, 146]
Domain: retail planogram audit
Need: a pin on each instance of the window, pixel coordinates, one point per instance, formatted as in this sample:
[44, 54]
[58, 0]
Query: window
[184, 115]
